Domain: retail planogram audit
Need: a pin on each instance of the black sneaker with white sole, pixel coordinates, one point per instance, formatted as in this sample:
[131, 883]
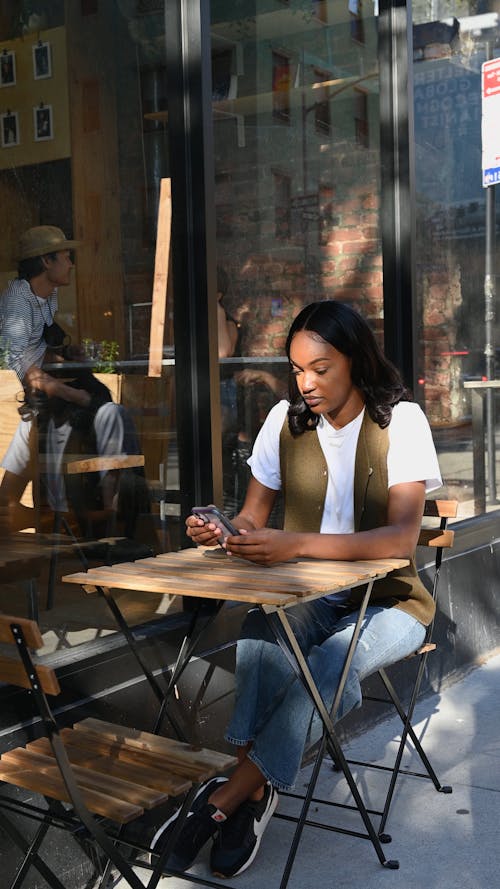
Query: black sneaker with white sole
[202, 822]
[239, 837]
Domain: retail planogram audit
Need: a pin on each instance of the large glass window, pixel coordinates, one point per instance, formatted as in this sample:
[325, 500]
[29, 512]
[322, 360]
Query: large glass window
[83, 147]
[297, 185]
[456, 304]
[84, 134]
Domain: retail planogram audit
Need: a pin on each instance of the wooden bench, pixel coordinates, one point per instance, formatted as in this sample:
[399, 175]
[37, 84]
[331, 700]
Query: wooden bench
[100, 768]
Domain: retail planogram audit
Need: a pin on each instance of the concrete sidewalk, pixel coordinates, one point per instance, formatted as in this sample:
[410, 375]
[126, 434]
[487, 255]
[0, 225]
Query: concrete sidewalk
[441, 841]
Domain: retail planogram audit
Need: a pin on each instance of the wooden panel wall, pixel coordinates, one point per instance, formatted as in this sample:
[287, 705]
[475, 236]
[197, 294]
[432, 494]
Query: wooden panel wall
[96, 186]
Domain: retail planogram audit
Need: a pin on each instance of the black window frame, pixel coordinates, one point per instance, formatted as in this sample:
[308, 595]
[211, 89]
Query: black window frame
[188, 49]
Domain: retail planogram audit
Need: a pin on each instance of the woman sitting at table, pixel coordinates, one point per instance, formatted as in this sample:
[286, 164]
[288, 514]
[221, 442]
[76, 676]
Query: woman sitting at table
[354, 459]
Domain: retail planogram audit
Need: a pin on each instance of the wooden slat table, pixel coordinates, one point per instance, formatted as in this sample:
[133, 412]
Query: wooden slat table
[210, 574]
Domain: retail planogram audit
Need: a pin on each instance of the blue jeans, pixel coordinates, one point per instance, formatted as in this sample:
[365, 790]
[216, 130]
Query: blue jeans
[273, 710]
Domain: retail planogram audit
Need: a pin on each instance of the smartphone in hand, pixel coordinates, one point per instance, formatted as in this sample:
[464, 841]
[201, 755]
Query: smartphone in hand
[212, 514]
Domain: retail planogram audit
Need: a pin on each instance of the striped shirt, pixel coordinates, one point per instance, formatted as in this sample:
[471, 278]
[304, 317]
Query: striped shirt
[22, 319]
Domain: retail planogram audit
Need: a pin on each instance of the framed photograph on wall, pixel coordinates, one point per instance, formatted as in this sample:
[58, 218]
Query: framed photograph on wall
[7, 68]
[42, 60]
[9, 129]
[42, 123]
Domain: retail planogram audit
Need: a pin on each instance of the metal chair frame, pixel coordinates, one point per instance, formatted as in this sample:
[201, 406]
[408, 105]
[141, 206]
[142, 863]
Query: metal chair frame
[78, 819]
[439, 538]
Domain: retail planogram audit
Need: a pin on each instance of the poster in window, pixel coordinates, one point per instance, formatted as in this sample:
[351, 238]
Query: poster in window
[7, 68]
[42, 123]
[42, 61]
[9, 123]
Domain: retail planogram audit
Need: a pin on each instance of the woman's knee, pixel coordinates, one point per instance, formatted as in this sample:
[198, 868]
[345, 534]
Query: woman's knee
[389, 636]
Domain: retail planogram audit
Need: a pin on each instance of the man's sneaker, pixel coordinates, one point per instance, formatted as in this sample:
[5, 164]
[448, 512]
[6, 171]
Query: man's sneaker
[238, 840]
[202, 822]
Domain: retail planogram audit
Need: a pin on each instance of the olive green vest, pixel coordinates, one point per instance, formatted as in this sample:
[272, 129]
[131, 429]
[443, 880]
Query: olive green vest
[304, 476]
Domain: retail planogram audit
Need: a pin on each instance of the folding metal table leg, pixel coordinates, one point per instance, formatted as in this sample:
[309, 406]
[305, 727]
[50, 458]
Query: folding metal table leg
[60, 520]
[33, 604]
[129, 636]
[186, 649]
[298, 662]
[301, 821]
[53, 560]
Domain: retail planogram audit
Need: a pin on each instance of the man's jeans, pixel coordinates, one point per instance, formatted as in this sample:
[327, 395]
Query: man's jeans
[272, 708]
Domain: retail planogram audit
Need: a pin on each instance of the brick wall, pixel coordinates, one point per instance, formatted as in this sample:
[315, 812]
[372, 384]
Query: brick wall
[336, 254]
[440, 305]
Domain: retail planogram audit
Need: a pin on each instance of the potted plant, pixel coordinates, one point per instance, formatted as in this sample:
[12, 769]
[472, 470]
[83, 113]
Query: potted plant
[104, 356]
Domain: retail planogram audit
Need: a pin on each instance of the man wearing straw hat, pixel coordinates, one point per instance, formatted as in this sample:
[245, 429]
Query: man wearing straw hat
[78, 414]
[28, 305]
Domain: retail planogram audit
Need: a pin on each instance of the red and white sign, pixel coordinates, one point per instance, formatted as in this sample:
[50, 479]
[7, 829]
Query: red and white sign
[490, 121]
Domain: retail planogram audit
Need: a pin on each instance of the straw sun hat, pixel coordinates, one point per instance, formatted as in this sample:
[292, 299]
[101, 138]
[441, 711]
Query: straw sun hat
[43, 239]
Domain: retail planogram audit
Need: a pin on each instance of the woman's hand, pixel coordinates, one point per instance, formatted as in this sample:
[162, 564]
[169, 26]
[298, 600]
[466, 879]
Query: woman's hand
[202, 533]
[265, 546]
[397, 539]
[254, 514]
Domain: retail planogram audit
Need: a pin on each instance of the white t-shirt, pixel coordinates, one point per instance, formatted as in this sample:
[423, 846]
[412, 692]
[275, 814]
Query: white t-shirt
[411, 457]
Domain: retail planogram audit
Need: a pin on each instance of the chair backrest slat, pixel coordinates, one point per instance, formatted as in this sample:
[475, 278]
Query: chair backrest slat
[12, 672]
[30, 628]
[105, 463]
[442, 509]
[436, 537]
[439, 536]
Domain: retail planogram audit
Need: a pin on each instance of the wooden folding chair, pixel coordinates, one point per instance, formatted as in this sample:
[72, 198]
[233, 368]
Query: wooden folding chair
[96, 777]
[439, 539]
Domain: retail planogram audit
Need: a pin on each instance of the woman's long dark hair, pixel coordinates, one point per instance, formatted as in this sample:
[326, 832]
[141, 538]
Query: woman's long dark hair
[373, 374]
